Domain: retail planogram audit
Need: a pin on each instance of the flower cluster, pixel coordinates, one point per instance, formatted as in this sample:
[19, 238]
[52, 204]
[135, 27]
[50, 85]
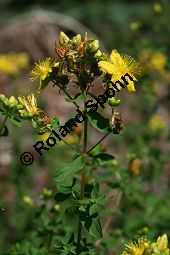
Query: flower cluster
[24, 108]
[81, 62]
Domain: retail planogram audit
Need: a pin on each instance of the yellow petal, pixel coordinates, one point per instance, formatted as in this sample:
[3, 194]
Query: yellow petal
[162, 242]
[106, 66]
[63, 39]
[116, 79]
[56, 64]
[130, 86]
[116, 58]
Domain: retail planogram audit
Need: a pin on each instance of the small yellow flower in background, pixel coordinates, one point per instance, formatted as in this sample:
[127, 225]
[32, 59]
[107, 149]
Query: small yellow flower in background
[135, 25]
[47, 192]
[118, 66]
[157, 123]
[42, 70]
[138, 248]
[12, 63]
[30, 104]
[157, 7]
[70, 139]
[150, 60]
[135, 166]
[158, 61]
[28, 201]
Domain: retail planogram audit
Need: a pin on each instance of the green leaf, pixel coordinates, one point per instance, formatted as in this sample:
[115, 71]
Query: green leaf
[95, 191]
[77, 97]
[92, 224]
[15, 121]
[66, 186]
[103, 158]
[95, 228]
[69, 169]
[34, 124]
[93, 209]
[101, 200]
[99, 122]
[5, 131]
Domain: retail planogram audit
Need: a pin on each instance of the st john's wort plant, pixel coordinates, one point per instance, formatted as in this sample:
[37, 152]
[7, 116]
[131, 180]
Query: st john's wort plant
[79, 64]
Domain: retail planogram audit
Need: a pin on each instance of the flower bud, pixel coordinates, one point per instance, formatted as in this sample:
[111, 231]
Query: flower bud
[103, 57]
[23, 114]
[57, 208]
[63, 39]
[19, 106]
[28, 201]
[93, 46]
[98, 54]
[30, 115]
[46, 193]
[162, 242]
[3, 99]
[76, 39]
[12, 102]
[113, 102]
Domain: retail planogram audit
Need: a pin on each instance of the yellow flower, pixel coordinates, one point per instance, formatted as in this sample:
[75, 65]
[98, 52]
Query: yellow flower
[157, 7]
[30, 104]
[12, 63]
[118, 66]
[135, 166]
[42, 70]
[158, 61]
[157, 123]
[138, 248]
[135, 25]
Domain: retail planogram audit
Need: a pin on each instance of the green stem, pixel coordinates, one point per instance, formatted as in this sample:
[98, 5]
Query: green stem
[83, 179]
[98, 143]
[67, 94]
[3, 123]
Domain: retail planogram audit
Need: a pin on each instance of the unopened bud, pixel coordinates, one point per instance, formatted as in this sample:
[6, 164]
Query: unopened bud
[23, 113]
[76, 39]
[3, 99]
[94, 46]
[12, 101]
[98, 54]
[113, 102]
[63, 39]
[47, 192]
[28, 200]
[19, 106]
[57, 207]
